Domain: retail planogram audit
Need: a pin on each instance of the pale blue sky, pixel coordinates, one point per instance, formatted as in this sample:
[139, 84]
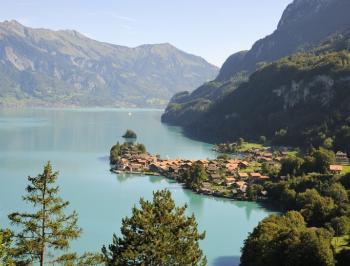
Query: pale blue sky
[211, 29]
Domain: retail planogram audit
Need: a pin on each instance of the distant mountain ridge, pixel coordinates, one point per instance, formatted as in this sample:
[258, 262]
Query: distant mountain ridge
[303, 25]
[66, 68]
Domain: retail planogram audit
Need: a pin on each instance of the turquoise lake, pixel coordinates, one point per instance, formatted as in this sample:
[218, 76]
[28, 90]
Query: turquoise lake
[77, 142]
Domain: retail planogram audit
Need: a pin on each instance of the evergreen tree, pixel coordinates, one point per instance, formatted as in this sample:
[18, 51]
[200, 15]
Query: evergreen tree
[129, 134]
[158, 233]
[114, 154]
[195, 176]
[5, 248]
[47, 227]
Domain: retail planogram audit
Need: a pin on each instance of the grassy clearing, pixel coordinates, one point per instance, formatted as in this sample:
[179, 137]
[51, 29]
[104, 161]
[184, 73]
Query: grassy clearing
[293, 153]
[249, 145]
[346, 169]
[253, 167]
[341, 242]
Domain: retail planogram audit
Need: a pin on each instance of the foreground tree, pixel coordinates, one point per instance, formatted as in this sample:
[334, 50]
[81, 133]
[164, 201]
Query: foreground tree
[285, 240]
[47, 227]
[5, 248]
[157, 234]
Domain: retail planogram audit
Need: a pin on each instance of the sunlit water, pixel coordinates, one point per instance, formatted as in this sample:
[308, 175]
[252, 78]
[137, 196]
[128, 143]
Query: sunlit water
[78, 141]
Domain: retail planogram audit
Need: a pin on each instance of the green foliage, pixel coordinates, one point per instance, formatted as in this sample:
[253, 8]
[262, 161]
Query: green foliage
[114, 155]
[223, 157]
[116, 150]
[5, 248]
[129, 134]
[322, 159]
[141, 148]
[240, 142]
[285, 240]
[319, 198]
[291, 166]
[318, 161]
[271, 170]
[288, 199]
[72, 259]
[341, 225]
[159, 233]
[328, 143]
[317, 210]
[47, 227]
[254, 191]
[195, 176]
[287, 102]
[338, 193]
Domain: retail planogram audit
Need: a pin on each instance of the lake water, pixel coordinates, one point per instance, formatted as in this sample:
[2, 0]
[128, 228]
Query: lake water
[77, 142]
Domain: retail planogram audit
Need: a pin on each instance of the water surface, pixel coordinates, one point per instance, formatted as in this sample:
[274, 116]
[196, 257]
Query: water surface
[78, 141]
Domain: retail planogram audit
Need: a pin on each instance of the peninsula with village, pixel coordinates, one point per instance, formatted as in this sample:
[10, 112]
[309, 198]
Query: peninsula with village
[239, 172]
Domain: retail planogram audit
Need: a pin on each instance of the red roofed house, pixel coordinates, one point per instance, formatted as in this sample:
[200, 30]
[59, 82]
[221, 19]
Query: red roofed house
[243, 175]
[256, 175]
[336, 169]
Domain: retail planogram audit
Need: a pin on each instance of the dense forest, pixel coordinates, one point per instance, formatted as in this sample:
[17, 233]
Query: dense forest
[316, 225]
[299, 100]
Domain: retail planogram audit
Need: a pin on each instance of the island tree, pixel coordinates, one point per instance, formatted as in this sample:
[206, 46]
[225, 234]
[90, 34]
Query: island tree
[159, 233]
[47, 227]
[114, 154]
[129, 134]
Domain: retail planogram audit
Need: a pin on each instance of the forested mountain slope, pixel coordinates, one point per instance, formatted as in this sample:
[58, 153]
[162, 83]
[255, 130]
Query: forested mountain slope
[303, 26]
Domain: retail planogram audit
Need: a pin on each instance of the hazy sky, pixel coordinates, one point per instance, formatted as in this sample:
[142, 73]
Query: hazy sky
[211, 29]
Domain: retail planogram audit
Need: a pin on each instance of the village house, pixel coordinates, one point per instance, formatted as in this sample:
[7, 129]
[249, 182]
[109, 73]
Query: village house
[255, 175]
[212, 168]
[335, 169]
[241, 186]
[231, 168]
[341, 158]
[229, 180]
[216, 178]
[243, 175]
[264, 177]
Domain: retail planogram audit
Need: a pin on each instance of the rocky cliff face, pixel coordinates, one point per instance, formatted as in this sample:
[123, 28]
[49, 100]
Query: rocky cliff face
[304, 24]
[44, 67]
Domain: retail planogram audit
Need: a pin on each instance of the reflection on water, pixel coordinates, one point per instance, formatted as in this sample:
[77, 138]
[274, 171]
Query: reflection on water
[226, 261]
[78, 143]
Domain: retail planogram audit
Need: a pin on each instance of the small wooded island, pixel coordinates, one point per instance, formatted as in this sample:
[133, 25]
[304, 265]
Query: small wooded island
[223, 177]
[240, 179]
[129, 134]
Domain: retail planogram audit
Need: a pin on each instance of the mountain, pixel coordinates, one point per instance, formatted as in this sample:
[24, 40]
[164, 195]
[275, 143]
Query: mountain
[303, 26]
[65, 68]
[299, 100]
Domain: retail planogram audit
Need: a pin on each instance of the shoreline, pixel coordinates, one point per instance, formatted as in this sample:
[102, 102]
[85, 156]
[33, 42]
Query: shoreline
[265, 203]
